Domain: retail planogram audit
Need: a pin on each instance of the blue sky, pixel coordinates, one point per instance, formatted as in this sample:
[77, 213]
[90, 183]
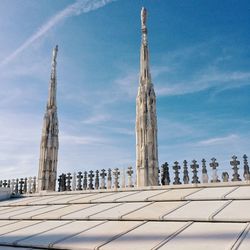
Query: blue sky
[199, 56]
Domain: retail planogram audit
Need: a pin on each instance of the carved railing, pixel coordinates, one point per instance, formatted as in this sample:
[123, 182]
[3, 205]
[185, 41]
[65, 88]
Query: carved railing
[27, 185]
[121, 178]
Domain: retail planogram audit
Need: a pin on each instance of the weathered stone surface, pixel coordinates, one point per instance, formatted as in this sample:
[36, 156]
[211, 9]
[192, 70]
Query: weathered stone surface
[146, 119]
[49, 142]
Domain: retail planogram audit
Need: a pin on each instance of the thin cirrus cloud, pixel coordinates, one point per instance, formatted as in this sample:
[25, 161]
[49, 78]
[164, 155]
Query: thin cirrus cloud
[75, 9]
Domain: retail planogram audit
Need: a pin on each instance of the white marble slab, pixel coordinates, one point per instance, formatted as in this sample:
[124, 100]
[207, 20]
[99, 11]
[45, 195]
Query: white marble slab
[15, 226]
[195, 210]
[245, 243]
[7, 222]
[34, 212]
[18, 201]
[69, 199]
[85, 213]
[142, 195]
[14, 248]
[58, 234]
[210, 193]
[15, 236]
[154, 211]
[240, 193]
[145, 237]
[98, 235]
[174, 194]
[58, 213]
[114, 196]
[19, 210]
[238, 210]
[206, 236]
[44, 200]
[118, 212]
[91, 198]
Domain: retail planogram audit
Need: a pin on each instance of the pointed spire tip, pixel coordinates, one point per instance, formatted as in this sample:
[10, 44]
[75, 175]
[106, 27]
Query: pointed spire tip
[143, 16]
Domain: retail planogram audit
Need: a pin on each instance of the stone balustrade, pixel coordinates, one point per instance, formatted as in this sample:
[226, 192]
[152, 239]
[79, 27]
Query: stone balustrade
[186, 173]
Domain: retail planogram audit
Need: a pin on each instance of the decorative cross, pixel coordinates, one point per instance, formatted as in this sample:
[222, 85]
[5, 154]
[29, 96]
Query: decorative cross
[16, 186]
[1, 183]
[204, 171]
[109, 183]
[85, 180]
[79, 180]
[97, 179]
[176, 168]
[63, 182]
[103, 175]
[29, 184]
[68, 182]
[165, 179]
[235, 163]
[185, 173]
[8, 184]
[195, 166]
[130, 173]
[116, 174]
[214, 166]
[60, 183]
[246, 169]
[91, 178]
[5, 183]
[34, 185]
[21, 182]
[225, 176]
[25, 185]
[73, 182]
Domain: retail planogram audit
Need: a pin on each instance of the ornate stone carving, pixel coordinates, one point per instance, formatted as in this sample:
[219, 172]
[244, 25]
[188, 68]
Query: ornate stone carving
[195, 166]
[235, 163]
[246, 169]
[204, 171]
[185, 172]
[214, 166]
[176, 168]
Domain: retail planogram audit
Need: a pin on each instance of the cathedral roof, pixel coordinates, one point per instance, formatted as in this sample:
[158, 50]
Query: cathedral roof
[192, 216]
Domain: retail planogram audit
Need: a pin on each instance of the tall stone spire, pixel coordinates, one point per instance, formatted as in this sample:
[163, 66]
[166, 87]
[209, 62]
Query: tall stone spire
[146, 120]
[49, 142]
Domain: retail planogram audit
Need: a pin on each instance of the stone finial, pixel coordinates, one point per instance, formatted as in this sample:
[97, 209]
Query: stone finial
[185, 172]
[214, 166]
[74, 182]
[5, 183]
[91, 179]
[123, 178]
[34, 185]
[204, 171]
[116, 174]
[68, 181]
[16, 186]
[165, 179]
[59, 183]
[30, 185]
[109, 182]
[246, 169]
[21, 182]
[8, 184]
[79, 180]
[225, 176]
[12, 185]
[176, 168]
[235, 163]
[130, 173]
[97, 179]
[85, 180]
[103, 174]
[1, 183]
[25, 187]
[195, 166]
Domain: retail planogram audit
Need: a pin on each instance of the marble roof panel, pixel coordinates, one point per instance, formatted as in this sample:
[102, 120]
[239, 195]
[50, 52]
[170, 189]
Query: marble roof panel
[15, 236]
[237, 210]
[174, 194]
[142, 195]
[119, 211]
[58, 234]
[56, 214]
[98, 235]
[240, 193]
[211, 193]
[196, 210]
[85, 213]
[154, 211]
[206, 236]
[145, 237]
[244, 242]
[114, 196]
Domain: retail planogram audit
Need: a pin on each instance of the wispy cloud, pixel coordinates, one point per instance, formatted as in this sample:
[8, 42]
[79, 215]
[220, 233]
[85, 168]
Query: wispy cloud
[219, 140]
[95, 119]
[75, 9]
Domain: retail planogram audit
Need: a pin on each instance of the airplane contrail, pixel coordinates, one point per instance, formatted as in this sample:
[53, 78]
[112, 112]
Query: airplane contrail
[75, 9]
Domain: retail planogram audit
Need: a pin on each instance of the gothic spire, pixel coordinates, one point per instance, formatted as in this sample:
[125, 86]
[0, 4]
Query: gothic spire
[52, 88]
[49, 141]
[144, 72]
